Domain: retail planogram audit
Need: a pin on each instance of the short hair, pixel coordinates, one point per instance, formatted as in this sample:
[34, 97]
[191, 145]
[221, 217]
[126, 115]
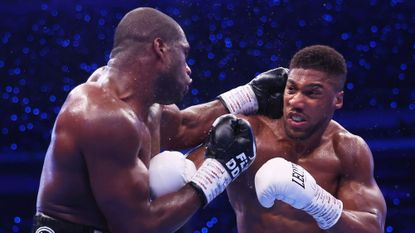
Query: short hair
[142, 25]
[322, 58]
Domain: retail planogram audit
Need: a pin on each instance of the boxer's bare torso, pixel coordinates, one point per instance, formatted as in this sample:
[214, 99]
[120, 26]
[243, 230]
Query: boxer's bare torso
[69, 196]
[101, 138]
[339, 161]
[335, 162]
[96, 168]
[322, 162]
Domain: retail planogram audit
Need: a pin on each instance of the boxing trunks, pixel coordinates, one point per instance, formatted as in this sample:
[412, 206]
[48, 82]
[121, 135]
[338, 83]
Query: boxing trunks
[46, 224]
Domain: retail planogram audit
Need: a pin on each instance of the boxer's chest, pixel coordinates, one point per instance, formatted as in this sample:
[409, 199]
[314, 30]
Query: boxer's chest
[322, 163]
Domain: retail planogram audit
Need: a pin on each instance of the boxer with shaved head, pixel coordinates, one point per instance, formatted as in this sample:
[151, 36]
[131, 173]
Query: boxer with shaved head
[95, 176]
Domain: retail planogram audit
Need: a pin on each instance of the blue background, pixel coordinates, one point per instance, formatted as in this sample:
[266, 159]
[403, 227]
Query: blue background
[49, 47]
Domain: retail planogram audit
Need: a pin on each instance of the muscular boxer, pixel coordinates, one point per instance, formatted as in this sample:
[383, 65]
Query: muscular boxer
[310, 174]
[95, 174]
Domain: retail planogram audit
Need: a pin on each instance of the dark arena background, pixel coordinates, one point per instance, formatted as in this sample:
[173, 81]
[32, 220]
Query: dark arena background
[49, 47]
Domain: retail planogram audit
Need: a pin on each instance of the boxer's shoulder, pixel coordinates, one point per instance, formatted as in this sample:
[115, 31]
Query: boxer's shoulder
[351, 149]
[93, 93]
[88, 113]
[94, 102]
[342, 138]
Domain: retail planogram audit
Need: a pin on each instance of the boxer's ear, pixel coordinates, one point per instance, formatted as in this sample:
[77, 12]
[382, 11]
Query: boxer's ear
[338, 99]
[160, 47]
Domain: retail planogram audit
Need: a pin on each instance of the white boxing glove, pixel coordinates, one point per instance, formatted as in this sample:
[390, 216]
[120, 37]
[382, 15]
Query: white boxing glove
[279, 179]
[168, 172]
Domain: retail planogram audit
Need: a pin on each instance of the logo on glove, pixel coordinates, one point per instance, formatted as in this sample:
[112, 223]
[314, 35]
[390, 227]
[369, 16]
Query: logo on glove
[233, 167]
[298, 175]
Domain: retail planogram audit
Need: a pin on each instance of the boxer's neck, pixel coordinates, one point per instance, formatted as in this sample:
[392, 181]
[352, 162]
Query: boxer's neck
[305, 146]
[130, 88]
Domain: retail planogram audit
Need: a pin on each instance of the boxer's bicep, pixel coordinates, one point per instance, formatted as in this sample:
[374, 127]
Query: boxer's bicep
[169, 125]
[363, 207]
[359, 192]
[362, 197]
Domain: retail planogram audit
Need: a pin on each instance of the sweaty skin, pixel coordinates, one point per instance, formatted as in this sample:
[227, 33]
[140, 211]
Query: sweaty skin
[96, 168]
[90, 176]
[340, 162]
[99, 155]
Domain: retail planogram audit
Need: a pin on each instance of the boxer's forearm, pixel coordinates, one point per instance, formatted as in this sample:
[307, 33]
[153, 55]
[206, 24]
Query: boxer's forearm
[357, 222]
[194, 125]
[168, 213]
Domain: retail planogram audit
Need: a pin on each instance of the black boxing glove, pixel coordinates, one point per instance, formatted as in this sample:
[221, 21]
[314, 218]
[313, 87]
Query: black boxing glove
[263, 95]
[231, 149]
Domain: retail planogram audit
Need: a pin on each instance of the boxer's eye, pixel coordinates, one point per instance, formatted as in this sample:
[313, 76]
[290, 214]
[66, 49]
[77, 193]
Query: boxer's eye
[290, 90]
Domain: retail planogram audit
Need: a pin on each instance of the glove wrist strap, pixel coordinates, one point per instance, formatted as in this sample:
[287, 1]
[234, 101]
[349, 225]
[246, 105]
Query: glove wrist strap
[325, 208]
[211, 179]
[240, 100]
